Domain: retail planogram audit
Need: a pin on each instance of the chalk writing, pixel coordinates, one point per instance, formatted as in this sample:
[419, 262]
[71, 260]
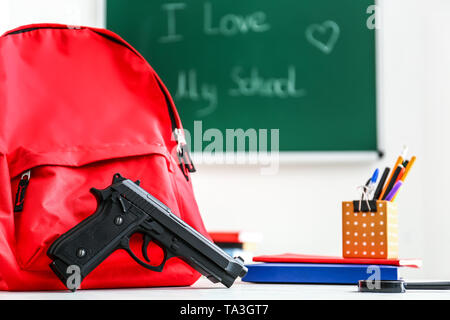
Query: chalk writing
[255, 85]
[232, 24]
[188, 87]
[172, 35]
[328, 28]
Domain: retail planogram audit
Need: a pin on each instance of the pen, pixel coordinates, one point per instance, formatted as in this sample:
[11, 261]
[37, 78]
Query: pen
[369, 184]
[400, 175]
[391, 183]
[405, 163]
[394, 191]
[379, 189]
[374, 177]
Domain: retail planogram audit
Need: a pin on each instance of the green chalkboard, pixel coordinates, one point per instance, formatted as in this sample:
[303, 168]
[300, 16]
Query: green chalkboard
[305, 67]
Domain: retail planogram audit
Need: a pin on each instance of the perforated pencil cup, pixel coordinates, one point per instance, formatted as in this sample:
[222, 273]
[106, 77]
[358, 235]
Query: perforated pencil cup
[369, 229]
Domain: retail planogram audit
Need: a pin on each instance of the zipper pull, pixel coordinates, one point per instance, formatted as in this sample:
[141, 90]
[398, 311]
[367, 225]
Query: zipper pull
[22, 188]
[184, 158]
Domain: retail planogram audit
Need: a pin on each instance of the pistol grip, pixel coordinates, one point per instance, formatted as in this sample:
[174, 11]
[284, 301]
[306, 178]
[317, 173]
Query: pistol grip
[89, 243]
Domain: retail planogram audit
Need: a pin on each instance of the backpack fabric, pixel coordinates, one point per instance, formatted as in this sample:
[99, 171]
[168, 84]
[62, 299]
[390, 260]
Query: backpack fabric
[78, 105]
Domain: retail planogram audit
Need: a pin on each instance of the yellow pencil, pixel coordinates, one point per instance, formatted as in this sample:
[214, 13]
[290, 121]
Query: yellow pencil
[399, 162]
[408, 167]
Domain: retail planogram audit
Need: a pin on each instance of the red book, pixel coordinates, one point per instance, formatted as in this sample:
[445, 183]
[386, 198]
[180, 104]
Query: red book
[305, 258]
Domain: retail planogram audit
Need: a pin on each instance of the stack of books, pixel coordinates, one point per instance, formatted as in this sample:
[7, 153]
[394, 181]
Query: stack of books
[237, 243]
[298, 268]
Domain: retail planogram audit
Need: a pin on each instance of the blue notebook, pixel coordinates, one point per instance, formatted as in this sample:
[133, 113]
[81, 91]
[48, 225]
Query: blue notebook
[317, 273]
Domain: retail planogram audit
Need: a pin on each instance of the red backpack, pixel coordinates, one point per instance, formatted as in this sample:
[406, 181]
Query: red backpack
[77, 105]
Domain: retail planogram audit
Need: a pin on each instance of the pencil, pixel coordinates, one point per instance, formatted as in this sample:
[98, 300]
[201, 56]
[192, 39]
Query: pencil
[407, 169]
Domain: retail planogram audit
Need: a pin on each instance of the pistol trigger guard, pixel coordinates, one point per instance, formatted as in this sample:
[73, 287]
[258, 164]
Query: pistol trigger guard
[168, 255]
[147, 240]
[125, 245]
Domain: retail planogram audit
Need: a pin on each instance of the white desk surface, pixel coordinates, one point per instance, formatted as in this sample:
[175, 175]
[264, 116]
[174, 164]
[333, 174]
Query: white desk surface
[205, 290]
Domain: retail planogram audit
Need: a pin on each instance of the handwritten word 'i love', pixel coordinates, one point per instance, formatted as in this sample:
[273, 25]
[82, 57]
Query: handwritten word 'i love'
[227, 25]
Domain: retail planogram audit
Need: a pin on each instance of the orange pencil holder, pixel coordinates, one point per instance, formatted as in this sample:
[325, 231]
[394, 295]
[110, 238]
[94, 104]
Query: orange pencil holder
[369, 229]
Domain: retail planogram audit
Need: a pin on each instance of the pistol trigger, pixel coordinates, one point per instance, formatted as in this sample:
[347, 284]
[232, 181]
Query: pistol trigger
[147, 240]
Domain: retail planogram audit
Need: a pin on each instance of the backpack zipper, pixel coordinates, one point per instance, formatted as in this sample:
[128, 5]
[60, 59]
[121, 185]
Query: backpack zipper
[21, 191]
[184, 159]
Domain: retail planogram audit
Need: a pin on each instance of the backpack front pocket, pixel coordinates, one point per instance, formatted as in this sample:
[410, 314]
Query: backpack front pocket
[57, 197]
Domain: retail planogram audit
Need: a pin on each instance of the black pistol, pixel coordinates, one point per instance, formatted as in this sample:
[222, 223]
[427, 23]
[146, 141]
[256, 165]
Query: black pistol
[124, 208]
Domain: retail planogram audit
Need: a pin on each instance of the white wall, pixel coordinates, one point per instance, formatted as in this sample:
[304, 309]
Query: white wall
[14, 13]
[435, 212]
[298, 210]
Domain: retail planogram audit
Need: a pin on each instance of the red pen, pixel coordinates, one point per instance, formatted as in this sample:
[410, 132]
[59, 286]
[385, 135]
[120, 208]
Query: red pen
[400, 175]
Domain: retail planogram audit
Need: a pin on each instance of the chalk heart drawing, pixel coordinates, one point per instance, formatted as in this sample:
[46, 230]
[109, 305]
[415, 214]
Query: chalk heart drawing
[317, 34]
